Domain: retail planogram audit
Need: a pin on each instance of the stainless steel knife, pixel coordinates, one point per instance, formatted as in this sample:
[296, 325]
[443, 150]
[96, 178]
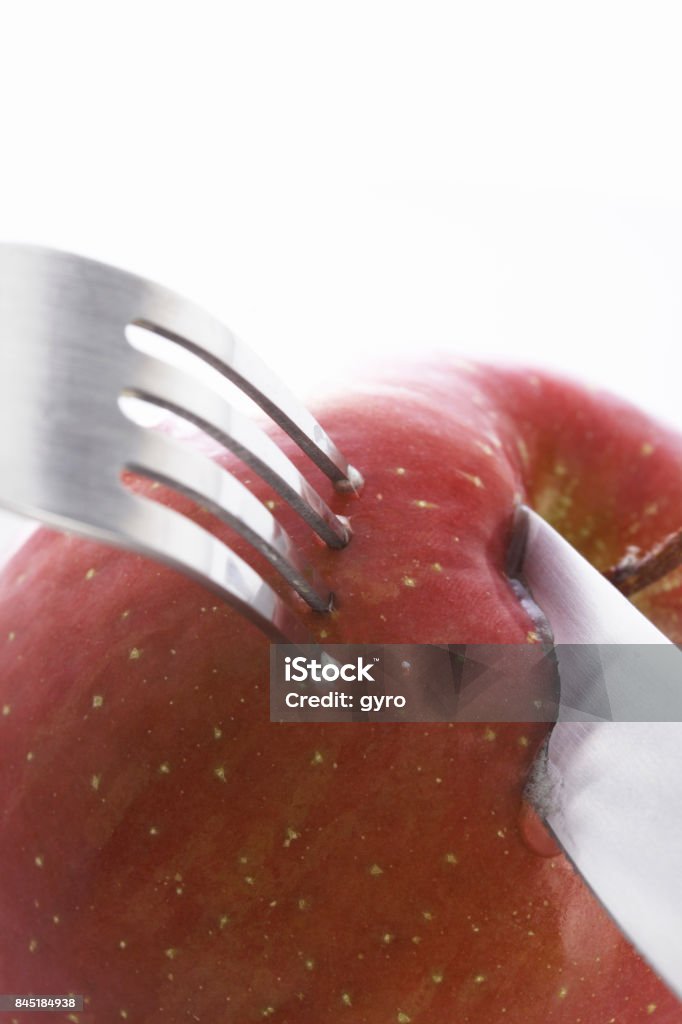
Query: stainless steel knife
[609, 781]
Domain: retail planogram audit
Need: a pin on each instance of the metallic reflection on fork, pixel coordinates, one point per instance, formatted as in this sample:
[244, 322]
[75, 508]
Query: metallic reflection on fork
[65, 365]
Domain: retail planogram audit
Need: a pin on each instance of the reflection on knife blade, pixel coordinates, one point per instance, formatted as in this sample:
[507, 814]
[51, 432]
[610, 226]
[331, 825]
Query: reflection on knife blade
[611, 791]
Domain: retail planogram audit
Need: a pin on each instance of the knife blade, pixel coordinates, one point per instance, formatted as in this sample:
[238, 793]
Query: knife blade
[609, 781]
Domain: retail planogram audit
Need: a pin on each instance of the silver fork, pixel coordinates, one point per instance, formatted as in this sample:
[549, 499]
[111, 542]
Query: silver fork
[66, 363]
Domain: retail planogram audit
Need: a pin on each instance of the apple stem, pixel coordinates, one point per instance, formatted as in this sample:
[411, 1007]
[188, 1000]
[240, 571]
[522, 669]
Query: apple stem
[634, 572]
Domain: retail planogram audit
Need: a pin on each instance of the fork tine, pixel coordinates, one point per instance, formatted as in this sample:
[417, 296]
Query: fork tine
[162, 384]
[172, 538]
[217, 345]
[167, 461]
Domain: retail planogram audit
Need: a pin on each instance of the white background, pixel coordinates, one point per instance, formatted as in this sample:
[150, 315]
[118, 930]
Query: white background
[498, 178]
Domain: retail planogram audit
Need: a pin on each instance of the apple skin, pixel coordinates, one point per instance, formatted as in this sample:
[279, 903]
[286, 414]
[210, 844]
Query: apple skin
[171, 854]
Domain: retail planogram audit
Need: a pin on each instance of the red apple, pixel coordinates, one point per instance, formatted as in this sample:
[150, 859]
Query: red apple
[169, 853]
